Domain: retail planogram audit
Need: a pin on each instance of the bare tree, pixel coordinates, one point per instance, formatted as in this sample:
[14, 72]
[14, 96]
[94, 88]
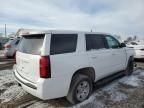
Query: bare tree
[135, 38]
[129, 39]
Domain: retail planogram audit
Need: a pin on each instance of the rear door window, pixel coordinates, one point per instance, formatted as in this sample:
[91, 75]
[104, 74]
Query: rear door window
[31, 44]
[95, 41]
[63, 43]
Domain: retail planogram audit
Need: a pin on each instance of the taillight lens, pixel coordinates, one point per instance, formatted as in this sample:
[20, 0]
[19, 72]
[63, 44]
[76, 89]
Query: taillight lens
[7, 46]
[45, 71]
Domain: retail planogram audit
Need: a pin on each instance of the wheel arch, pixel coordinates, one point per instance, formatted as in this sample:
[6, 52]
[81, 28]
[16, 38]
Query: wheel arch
[88, 71]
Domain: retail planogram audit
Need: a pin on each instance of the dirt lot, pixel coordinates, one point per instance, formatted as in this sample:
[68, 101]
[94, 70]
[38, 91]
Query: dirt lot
[124, 92]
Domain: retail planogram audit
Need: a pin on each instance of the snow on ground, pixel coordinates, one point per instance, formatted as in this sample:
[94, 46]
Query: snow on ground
[118, 91]
[3, 63]
[8, 86]
[113, 92]
[38, 105]
[133, 81]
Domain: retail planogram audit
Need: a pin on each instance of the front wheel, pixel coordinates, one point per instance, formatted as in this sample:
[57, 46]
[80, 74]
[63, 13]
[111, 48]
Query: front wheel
[130, 67]
[80, 90]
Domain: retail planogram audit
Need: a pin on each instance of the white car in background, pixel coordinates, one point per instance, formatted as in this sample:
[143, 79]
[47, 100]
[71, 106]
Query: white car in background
[138, 48]
[10, 47]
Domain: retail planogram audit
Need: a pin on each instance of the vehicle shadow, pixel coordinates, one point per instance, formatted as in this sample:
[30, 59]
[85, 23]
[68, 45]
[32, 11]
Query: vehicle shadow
[139, 60]
[139, 63]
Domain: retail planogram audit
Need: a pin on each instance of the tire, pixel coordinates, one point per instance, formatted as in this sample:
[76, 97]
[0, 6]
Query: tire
[130, 67]
[80, 89]
[9, 57]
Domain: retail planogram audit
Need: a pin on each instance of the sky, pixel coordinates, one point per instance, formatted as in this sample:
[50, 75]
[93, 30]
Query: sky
[120, 17]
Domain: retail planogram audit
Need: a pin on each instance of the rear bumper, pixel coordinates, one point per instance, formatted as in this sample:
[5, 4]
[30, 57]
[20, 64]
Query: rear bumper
[44, 88]
[26, 85]
[139, 54]
[24, 82]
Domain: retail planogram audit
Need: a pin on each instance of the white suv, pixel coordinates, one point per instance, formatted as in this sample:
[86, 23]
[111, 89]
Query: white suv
[53, 64]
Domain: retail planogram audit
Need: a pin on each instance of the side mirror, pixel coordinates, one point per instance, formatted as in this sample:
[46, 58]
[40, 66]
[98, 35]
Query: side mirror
[123, 45]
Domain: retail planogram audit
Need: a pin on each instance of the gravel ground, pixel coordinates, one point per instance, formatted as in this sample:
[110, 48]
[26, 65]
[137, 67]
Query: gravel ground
[125, 92]
[1, 52]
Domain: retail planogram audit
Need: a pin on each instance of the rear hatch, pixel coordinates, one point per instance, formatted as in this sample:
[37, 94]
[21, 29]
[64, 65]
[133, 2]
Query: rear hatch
[28, 56]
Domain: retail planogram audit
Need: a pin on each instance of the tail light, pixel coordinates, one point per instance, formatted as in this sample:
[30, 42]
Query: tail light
[7, 46]
[45, 71]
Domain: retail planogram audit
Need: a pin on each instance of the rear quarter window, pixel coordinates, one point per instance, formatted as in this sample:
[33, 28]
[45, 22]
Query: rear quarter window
[31, 44]
[63, 43]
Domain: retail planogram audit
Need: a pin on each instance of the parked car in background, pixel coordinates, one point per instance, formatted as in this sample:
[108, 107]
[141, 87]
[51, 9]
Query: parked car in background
[3, 41]
[1, 46]
[10, 47]
[52, 64]
[138, 48]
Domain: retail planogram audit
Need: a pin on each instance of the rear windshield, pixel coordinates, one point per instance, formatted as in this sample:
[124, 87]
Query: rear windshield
[31, 44]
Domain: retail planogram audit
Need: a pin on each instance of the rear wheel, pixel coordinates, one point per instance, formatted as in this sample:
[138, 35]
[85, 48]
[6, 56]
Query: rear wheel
[130, 67]
[80, 90]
